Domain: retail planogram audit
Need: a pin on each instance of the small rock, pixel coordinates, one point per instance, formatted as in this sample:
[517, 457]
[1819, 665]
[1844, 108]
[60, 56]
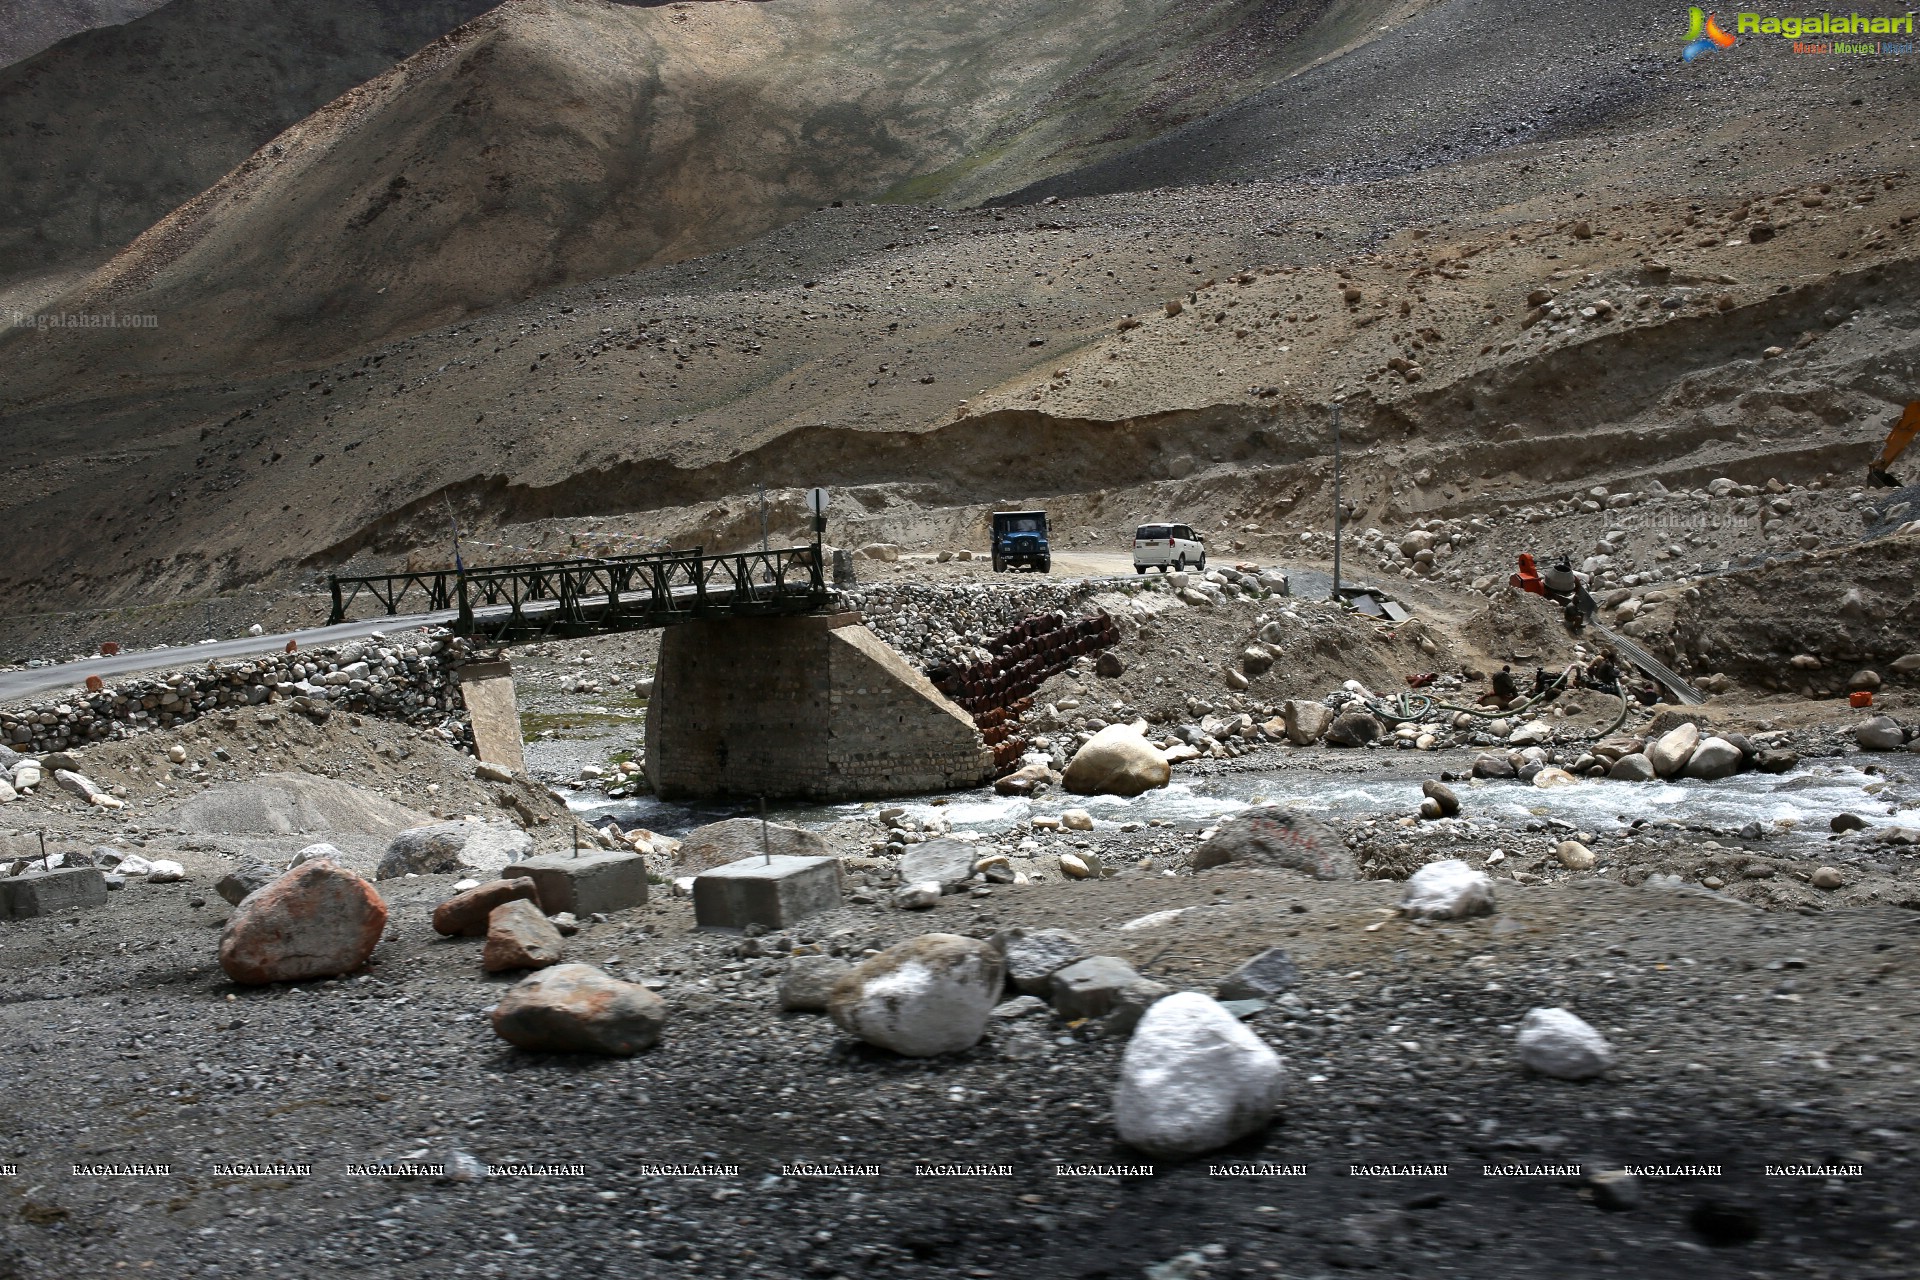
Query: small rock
[313, 853]
[1828, 878]
[466, 914]
[809, 980]
[1076, 820]
[1633, 767]
[1555, 1043]
[1573, 855]
[1491, 765]
[1443, 795]
[1267, 975]
[575, 1008]
[928, 995]
[1846, 822]
[1109, 666]
[1306, 722]
[1086, 988]
[250, 875]
[917, 897]
[1280, 837]
[1353, 729]
[1033, 958]
[1074, 867]
[1447, 890]
[947, 863]
[1130, 1003]
[1193, 1079]
[520, 937]
[164, 871]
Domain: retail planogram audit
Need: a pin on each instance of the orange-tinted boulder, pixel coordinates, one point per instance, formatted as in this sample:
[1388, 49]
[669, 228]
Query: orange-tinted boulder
[519, 937]
[464, 915]
[316, 921]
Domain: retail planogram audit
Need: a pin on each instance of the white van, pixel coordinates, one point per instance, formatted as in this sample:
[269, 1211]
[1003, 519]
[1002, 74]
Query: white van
[1167, 547]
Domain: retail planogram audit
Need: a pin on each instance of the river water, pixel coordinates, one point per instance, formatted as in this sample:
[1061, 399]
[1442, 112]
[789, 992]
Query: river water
[1802, 802]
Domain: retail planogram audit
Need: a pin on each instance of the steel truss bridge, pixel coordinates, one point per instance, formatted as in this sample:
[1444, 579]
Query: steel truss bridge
[517, 603]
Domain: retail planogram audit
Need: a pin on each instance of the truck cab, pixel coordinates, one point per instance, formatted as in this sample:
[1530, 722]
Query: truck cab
[1020, 541]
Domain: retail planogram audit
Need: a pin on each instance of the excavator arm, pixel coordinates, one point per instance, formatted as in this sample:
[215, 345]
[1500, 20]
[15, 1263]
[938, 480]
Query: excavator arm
[1897, 441]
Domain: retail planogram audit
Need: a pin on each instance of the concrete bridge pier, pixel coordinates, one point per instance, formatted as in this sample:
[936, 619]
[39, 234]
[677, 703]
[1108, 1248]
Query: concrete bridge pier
[814, 708]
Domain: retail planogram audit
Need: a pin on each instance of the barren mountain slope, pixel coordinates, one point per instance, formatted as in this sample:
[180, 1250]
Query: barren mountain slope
[104, 135]
[927, 363]
[28, 26]
[561, 140]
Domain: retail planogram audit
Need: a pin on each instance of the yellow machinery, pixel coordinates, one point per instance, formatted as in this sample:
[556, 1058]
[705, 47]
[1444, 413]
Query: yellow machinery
[1897, 442]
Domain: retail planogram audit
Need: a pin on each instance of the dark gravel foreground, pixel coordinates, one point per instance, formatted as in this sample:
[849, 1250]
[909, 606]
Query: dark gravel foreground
[1745, 1039]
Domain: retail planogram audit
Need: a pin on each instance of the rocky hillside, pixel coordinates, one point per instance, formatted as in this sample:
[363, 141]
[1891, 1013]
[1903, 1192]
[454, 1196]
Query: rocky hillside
[172, 101]
[28, 26]
[1580, 305]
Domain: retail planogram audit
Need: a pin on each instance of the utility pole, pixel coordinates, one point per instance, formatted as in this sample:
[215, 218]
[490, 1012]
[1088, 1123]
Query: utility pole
[1337, 513]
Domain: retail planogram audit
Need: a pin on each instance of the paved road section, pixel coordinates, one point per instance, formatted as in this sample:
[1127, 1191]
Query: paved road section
[24, 684]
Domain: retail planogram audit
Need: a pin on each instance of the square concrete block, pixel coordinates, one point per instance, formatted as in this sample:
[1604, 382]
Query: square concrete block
[47, 893]
[605, 882]
[770, 894]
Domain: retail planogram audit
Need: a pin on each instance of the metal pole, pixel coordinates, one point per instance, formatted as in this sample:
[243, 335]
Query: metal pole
[766, 847]
[763, 519]
[1336, 502]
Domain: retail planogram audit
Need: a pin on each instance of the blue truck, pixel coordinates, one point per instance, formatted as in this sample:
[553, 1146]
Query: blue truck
[1020, 541]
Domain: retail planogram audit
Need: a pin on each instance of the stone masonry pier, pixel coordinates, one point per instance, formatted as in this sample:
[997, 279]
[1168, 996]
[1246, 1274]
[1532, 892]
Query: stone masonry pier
[815, 708]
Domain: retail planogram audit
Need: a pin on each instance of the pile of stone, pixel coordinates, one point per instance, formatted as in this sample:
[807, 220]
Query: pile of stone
[414, 682]
[24, 774]
[937, 626]
[1238, 582]
[1424, 549]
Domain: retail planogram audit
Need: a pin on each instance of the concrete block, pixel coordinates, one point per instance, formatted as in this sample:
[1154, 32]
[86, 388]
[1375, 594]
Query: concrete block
[47, 893]
[772, 894]
[604, 882]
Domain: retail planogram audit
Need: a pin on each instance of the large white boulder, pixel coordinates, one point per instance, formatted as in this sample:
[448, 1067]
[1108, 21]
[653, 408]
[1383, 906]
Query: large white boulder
[1882, 733]
[1559, 1044]
[1714, 758]
[925, 996]
[1118, 761]
[1447, 890]
[1671, 753]
[1193, 1079]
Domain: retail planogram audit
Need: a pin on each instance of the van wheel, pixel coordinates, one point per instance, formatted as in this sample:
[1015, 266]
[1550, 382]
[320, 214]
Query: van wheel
[1139, 568]
[1202, 566]
[1180, 565]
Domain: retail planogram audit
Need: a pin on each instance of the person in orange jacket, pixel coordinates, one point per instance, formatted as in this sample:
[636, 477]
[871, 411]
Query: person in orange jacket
[1528, 579]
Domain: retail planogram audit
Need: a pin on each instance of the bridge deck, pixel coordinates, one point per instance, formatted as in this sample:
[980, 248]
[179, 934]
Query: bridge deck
[508, 604]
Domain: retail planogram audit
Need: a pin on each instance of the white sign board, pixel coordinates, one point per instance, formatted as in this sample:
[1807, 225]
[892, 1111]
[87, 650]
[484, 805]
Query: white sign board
[817, 501]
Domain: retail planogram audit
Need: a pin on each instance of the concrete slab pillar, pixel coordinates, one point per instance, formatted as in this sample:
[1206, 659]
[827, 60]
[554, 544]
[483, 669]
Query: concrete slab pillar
[487, 689]
[814, 708]
[773, 893]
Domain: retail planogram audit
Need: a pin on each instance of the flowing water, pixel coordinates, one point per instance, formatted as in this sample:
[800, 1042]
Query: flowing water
[1802, 802]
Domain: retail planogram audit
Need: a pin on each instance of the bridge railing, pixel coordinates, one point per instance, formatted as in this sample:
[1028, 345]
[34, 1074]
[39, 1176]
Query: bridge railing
[432, 590]
[615, 593]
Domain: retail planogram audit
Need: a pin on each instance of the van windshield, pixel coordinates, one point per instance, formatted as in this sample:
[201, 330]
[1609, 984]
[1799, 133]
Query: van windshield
[1152, 532]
